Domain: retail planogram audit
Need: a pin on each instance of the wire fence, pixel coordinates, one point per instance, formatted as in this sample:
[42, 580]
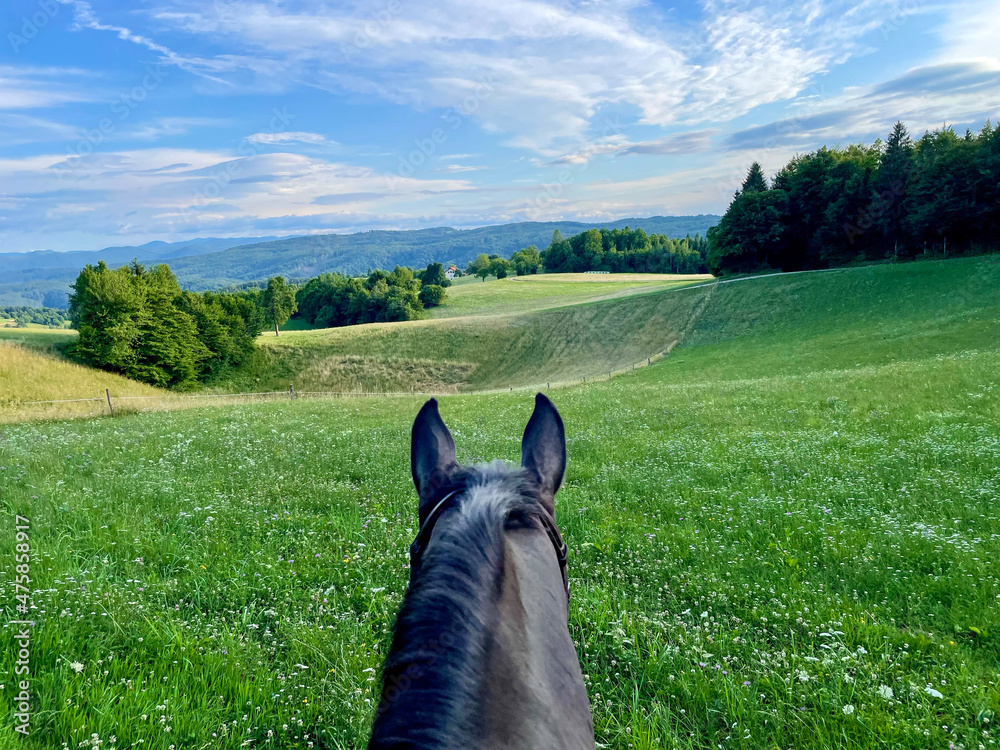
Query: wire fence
[110, 404]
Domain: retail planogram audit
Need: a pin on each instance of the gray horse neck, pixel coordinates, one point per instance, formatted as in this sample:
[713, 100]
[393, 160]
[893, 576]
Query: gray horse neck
[533, 694]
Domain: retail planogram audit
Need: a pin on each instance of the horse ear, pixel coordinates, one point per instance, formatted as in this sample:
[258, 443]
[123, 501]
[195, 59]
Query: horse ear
[432, 452]
[543, 449]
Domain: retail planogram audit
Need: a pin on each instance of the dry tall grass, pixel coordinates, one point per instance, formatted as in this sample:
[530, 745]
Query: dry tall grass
[31, 374]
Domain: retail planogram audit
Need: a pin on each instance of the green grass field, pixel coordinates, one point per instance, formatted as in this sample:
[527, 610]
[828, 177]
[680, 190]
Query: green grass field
[784, 535]
[553, 328]
[520, 294]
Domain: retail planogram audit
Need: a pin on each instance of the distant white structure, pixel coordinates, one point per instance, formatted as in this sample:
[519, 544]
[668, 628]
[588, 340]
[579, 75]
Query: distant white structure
[451, 273]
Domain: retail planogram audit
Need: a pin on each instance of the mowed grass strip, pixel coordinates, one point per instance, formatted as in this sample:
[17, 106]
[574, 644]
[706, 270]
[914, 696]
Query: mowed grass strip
[519, 294]
[763, 554]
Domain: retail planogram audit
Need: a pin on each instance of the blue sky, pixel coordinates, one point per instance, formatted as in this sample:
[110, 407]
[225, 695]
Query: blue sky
[125, 122]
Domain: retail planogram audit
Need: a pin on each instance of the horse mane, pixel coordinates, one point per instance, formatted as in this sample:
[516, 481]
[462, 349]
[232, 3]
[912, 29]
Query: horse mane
[432, 674]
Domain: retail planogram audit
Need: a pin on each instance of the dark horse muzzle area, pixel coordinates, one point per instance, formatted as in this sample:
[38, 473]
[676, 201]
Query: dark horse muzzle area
[481, 655]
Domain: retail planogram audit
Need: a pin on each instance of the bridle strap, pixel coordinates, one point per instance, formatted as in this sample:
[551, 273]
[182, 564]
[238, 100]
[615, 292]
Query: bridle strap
[562, 551]
[427, 527]
[424, 532]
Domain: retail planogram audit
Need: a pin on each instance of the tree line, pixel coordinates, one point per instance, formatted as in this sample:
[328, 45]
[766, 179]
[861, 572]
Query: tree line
[623, 251]
[138, 322]
[25, 316]
[613, 250]
[936, 197]
[331, 299]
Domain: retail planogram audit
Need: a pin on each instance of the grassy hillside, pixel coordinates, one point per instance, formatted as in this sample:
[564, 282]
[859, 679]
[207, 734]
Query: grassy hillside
[817, 321]
[31, 369]
[619, 326]
[772, 544]
[518, 294]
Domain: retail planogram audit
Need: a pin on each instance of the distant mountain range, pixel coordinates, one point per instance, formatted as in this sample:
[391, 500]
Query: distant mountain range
[42, 278]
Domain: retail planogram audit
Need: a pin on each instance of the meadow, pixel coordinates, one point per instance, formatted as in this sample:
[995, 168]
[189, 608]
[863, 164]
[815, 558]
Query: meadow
[558, 327]
[520, 294]
[783, 535]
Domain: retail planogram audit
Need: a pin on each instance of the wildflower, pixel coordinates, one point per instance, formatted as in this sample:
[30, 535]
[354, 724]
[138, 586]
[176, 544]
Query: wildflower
[932, 692]
[886, 692]
[848, 709]
[76, 667]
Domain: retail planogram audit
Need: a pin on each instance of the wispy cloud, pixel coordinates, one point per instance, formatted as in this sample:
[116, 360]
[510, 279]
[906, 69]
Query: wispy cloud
[29, 87]
[288, 137]
[454, 168]
[970, 88]
[551, 66]
[160, 190]
[680, 144]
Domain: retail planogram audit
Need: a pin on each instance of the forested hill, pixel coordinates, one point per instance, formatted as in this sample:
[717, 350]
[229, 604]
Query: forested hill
[46, 282]
[302, 257]
[42, 278]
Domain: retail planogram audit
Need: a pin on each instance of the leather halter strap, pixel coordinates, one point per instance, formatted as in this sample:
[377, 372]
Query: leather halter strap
[427, 527]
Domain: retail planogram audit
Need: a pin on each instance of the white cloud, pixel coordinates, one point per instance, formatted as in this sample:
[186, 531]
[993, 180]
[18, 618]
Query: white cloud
[453, 168]
[163, 191]
[963, 92]
[536, 71]
[679, 144]
[168, 127]
[971, 29]
[25, 87]
[287, 137]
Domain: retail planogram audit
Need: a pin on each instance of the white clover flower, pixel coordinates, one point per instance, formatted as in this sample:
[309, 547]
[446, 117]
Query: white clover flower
[848, 709]
[886, 692]
[76, 667]
[933, 693]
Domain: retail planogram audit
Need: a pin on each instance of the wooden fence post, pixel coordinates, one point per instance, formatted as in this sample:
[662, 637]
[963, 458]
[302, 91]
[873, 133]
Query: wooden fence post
[291, 391]
[107, 392]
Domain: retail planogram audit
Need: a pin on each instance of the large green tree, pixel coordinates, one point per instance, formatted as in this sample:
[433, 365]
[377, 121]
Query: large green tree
[138, 322]
[479, 266]
[434, 275]
[755, 181]
[527, 261]
[499, 267]
[278, 302]
[890, 185]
